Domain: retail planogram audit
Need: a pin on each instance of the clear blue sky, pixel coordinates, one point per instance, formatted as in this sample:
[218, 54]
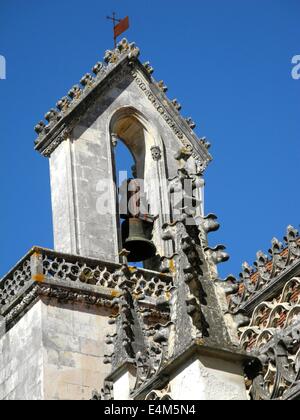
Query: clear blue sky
[227, 62]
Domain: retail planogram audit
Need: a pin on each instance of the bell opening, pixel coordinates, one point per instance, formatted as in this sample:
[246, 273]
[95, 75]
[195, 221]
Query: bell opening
[129, 159]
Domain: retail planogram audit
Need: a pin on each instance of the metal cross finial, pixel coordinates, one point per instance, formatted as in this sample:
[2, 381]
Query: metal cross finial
[115, 21]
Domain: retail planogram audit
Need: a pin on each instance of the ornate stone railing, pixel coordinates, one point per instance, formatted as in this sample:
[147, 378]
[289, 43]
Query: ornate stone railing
[269, 275]
[89, 278]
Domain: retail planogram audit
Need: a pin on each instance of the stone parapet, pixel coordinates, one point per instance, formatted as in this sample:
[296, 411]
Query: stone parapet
[45, 273]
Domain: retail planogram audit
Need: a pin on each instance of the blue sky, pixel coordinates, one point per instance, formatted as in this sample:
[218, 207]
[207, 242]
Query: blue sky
[227, 62]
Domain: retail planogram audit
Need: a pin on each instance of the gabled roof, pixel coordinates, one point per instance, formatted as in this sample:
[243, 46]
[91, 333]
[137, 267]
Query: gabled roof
[62, 119]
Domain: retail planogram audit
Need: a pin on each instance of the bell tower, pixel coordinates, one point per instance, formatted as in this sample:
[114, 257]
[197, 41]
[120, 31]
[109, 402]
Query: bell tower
[88, 319]
[122, 102]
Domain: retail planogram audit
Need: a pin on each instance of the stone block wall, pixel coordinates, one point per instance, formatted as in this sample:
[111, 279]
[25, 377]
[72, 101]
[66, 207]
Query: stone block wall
[55, 352]
[21, 358]
[209, 379]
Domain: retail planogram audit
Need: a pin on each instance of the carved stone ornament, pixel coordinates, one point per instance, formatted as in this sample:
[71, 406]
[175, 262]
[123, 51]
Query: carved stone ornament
[156, 153]
[160, 395]
[268, 271]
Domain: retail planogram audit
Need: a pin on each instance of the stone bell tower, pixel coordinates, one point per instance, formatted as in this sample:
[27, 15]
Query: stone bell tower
[88, 319]
[122, 102]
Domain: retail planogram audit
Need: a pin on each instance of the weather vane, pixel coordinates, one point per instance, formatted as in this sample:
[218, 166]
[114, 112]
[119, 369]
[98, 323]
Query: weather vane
[120, 26]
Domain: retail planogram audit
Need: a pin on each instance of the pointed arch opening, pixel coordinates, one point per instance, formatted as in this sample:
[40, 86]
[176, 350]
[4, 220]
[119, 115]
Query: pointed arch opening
[133, 139]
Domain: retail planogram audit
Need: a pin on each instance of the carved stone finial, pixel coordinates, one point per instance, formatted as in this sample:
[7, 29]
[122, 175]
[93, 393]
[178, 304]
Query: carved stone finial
[132, 50]
[191, 123]
[276, 247]
[87, 80]
[52, 115]
[63, 104]
[39, 128]
[292, 240]
[176, 105]
[261, 259]
[291, 234]
[98, 68]
[75, 92]
[148, 67]
[110, 57]
[161, 85]
[247, 268]
[123, 47]
[205, 143]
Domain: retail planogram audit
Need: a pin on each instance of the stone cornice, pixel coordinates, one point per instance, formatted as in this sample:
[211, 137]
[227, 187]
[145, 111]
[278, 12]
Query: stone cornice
[181, 127]
[60, 128]
[88, 295]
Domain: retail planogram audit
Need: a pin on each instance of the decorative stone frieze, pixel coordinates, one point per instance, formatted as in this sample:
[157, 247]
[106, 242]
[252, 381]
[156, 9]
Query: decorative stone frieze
[156, 153]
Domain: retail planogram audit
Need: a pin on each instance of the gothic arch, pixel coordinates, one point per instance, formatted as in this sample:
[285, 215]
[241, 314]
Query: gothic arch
[146, 145]
[137, 133]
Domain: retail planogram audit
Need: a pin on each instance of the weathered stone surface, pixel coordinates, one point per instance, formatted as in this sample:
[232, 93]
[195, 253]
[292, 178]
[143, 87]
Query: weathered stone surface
[55, 352]
[21, 358]
[209, 379]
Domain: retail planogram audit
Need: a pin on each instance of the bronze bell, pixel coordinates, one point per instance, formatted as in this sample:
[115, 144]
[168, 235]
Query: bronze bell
[135, 237]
